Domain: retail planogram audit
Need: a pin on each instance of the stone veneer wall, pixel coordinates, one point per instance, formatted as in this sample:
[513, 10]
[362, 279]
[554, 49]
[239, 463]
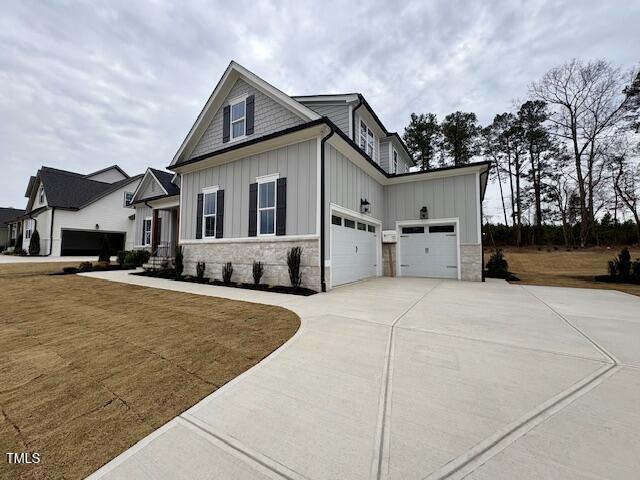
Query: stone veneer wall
[471, 262]
[242, 255]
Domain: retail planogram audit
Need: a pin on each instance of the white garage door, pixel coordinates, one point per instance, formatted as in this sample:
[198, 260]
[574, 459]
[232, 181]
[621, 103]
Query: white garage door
[353, 249]
[429, 251]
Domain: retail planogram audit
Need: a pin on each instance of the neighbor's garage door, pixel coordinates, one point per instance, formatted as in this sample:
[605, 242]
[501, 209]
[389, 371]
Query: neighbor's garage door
[353, 249]
[429, 251]
[89, 242]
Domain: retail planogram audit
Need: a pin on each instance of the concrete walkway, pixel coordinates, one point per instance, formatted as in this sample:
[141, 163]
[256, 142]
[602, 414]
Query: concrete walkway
[418, 378]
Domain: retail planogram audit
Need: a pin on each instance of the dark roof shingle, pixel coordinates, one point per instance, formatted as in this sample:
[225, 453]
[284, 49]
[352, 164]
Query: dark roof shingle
[165, 180]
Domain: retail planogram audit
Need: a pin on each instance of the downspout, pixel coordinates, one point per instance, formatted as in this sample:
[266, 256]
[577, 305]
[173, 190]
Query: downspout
[323, 285]
[53, 211]
[481, 225]
[353, 118]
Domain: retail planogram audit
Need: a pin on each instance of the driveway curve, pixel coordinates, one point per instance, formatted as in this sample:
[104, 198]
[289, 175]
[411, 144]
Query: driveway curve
[397, 378]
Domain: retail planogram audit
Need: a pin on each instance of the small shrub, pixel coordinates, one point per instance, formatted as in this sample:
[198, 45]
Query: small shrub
[85, 266]
[200, 268]
[105, 250]
[635, 270]
[136, 257]
[621, 266]
[130, 258]
[143, 257]
[258, 271]
[293, 262]
[19, 243]
[101, 265]
[497, 266]
[34, 244]
[227, 271]
[121, 256]
[179, 261]
[70, 270]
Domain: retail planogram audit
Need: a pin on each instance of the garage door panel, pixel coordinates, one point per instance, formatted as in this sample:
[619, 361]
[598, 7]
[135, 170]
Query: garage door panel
[429, 252]
[85, 242]
[353, 252]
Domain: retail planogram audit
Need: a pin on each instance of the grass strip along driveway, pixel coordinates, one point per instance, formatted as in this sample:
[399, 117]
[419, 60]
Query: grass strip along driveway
[89, 367]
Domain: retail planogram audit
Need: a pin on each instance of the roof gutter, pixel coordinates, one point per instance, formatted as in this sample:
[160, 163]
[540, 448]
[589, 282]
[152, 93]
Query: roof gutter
[353, 117]
[323, 285]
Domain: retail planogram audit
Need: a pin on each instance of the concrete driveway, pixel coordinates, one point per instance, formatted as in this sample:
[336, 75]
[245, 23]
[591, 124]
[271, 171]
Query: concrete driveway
[419, 379]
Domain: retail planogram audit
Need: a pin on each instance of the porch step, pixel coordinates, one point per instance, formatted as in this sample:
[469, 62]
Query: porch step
[155, 263]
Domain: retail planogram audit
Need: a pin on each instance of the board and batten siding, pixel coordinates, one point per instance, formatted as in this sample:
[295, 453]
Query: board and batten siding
[269, 117]
[444, 198]
[338, 114]
[297, 162]
[150, 189]
[346, 184]
[166, 224]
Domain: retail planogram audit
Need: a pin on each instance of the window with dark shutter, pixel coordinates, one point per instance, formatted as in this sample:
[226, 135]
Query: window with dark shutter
[249, 114]
[199, 215]
[281, 207]
[253, 210]
[226, 123]
[220, 214]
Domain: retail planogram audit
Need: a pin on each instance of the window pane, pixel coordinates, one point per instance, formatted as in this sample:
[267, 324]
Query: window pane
[210, 226]
[237, 111]
[349, 223]
[209, 203]
[267, 221]
[441, 229]
[267, 195]
[371, 228]
[336, 220]
[238, 129]
[361, 226]
[412, 230]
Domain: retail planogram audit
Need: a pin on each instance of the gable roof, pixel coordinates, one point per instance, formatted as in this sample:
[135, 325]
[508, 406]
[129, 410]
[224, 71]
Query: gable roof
[9, 215]
[234, 72]
[163, 179]
[72, 190]
[112, 167]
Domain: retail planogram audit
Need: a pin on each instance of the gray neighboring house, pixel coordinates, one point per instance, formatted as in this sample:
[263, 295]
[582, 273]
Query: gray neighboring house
[9, 226]
[73, 212]
[261, 172]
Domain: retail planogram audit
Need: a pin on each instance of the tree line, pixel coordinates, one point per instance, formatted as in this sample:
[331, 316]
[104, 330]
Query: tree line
[564, 158]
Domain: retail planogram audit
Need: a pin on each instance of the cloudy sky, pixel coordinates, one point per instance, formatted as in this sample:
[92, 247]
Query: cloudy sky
[87, 85]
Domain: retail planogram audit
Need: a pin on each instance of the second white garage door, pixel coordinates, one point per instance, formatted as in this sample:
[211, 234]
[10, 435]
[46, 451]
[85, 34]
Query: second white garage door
[429, 251]
[353, 249]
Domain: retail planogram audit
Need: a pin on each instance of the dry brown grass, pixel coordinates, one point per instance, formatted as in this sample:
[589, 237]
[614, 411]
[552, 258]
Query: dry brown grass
[89, 367]
[560, 268]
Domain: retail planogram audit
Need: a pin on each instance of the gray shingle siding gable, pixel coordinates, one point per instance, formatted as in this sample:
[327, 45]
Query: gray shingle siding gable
[338, 114]
[269, 117]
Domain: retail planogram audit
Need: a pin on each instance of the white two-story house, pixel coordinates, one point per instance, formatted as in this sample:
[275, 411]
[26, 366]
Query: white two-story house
[261, 172]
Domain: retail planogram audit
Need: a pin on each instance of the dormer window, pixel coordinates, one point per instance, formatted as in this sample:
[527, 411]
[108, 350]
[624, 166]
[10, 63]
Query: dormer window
[367, 139]
[238, 119]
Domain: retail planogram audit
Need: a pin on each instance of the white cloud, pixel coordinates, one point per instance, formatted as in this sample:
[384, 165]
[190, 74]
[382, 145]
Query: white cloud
[84, 86]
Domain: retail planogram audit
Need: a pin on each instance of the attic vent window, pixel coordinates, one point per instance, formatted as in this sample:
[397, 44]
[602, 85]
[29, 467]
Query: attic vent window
[41, 198]
[238, 116]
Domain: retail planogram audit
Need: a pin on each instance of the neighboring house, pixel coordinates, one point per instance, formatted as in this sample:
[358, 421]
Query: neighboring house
[8, 226]
[73, 212]
[157, 202]
[261, 172]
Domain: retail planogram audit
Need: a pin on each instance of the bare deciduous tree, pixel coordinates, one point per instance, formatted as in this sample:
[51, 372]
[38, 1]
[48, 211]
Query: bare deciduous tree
[587, 102]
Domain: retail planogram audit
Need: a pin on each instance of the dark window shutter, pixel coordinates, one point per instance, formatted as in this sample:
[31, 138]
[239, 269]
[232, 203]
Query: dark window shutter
[249, 114]
[226, 123]
[199, 215]
[143, 225]
[220, 214]
[253, 209]
[281, 207]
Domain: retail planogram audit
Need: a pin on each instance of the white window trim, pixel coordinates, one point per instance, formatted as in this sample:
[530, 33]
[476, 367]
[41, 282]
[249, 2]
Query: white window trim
[144, 230]
[394, 160]
[261, 180]
[41, 195]
[124, 200]
[366, 140]
[205, 191]
[28, 229]
[233, 102]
